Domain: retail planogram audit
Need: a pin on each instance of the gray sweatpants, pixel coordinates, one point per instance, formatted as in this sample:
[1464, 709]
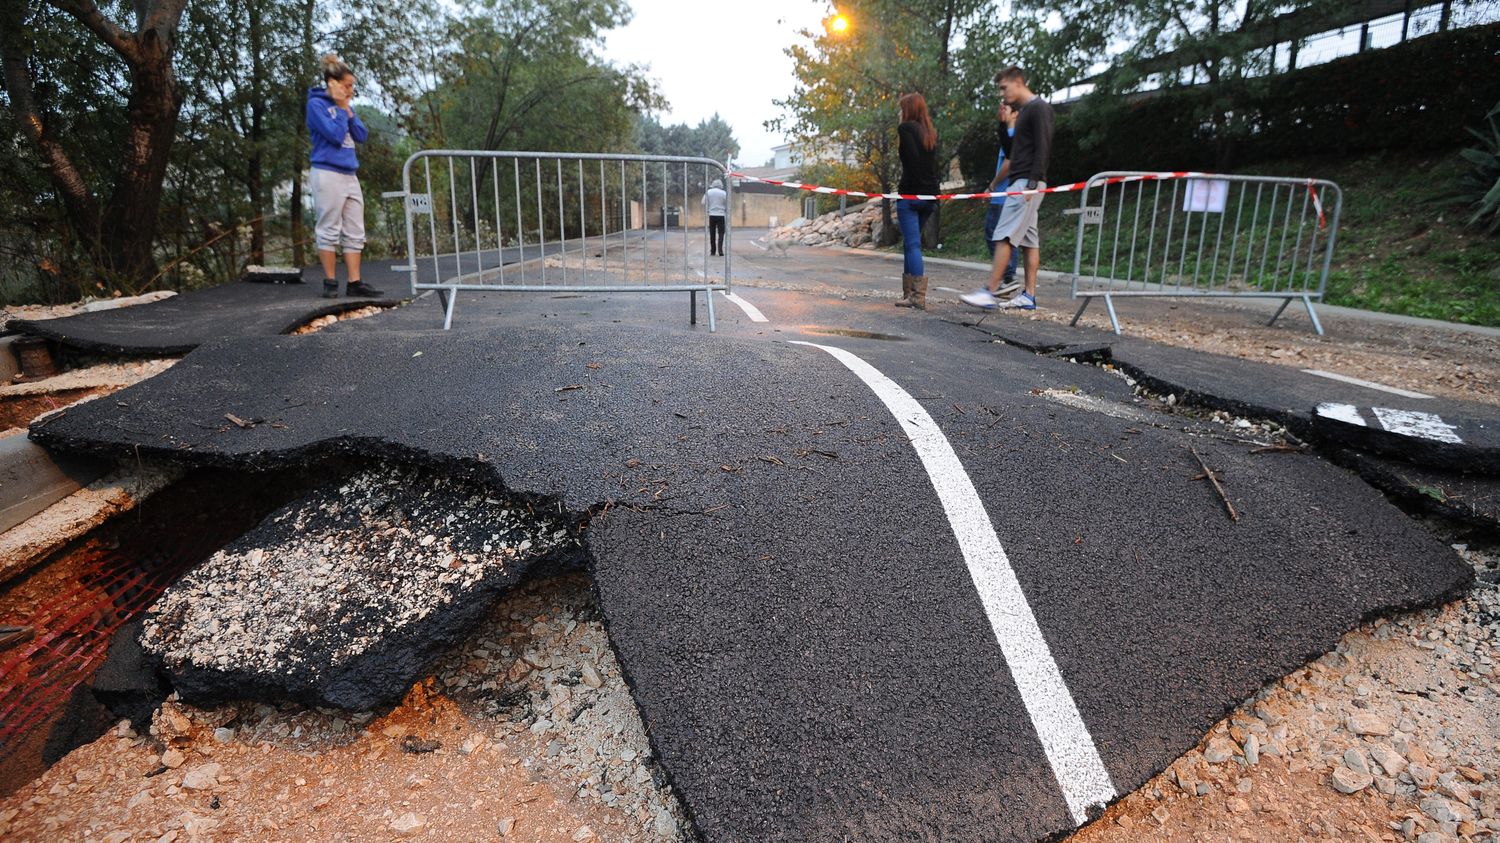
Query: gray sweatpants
[340, 206]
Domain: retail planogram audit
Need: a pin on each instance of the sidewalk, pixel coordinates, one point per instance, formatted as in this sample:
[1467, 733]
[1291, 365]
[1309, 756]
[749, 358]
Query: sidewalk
[1058, 280]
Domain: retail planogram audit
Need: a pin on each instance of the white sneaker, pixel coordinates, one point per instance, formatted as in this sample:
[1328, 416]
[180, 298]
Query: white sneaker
[1024, 301]
[1008, 288]
[982, 299]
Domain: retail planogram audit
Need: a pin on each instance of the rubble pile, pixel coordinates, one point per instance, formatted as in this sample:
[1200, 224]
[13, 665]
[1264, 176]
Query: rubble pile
[859, 227]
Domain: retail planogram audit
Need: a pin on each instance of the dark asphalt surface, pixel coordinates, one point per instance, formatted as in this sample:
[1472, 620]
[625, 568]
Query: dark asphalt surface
[784, 590]
[179, 324]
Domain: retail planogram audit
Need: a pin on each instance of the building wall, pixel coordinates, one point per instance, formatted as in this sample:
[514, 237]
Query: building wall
[749, 210]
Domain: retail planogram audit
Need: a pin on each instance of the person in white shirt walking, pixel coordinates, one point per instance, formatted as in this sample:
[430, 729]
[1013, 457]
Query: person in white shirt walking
[716, 203]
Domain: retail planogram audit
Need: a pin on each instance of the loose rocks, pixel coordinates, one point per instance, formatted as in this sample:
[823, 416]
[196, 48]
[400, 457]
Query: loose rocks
[343, 598]
[856, 227]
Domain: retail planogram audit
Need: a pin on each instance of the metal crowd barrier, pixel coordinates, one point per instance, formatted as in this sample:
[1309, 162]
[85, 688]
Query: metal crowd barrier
[559, 222]
[1145, 234]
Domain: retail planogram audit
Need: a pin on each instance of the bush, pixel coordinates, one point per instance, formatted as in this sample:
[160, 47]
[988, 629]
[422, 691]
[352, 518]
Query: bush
[1481, 184]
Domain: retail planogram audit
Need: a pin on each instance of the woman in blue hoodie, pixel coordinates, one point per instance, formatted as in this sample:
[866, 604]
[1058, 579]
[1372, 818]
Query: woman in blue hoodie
[340, 204]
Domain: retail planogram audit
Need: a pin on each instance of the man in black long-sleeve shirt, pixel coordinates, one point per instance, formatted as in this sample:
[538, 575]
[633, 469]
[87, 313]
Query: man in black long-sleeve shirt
[1017, 228]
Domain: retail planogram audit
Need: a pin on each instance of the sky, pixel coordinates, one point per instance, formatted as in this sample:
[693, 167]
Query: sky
[724, 57]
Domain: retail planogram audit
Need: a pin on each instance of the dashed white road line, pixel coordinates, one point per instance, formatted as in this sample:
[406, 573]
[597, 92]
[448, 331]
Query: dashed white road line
[1070, 749]
[1417, 423]
[1346, 413]
[1405, 393]
[750, 310]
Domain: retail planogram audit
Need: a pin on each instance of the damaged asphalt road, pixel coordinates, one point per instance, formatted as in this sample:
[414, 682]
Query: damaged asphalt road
[790, 599]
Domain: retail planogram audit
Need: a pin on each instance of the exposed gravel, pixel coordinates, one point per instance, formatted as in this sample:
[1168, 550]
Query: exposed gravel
[322, 322]
[347, 589]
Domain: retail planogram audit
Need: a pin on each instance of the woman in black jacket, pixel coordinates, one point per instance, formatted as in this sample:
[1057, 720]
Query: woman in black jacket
[919, 175]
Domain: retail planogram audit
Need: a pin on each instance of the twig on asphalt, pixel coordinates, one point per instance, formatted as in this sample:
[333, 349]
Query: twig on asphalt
[1213, 478]
[1277, 449]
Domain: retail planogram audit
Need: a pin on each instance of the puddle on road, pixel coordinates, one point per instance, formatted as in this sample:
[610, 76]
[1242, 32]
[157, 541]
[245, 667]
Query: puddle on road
[850, 332]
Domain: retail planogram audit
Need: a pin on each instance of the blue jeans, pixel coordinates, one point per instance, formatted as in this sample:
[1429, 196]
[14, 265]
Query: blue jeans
[991, 217]
[912, 214]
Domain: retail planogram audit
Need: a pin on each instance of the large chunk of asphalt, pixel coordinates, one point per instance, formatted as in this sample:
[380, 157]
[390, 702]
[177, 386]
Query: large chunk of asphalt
[1440, 433]
[183, 322]
[1473, 500]
[345, 597]
[784, 589]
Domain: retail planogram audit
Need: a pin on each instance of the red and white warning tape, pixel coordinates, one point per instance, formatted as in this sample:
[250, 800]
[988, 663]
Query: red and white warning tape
[1317, 204]
[1063, 188]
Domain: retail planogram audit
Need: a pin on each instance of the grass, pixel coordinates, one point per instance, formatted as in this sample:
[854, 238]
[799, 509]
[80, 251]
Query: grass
[1402, 245]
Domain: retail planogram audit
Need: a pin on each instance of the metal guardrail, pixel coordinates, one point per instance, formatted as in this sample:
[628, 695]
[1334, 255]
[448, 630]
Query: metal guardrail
[1143, 235]
[558, 221]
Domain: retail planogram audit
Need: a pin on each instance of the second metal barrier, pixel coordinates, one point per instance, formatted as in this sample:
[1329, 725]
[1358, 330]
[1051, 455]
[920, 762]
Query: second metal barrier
[1152, 234]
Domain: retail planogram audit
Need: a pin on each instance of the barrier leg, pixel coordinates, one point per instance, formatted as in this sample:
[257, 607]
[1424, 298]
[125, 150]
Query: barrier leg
[1081, 308]
[1313, 315]
[448, 298]
[693, 307]
[708, 296]
[1277, 314]
[1114, 320]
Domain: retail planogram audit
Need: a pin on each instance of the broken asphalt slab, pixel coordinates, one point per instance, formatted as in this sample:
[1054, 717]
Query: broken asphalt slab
[1436, 432]
[1469, 499]
[347, 596]
[792, 609]
[179, 324]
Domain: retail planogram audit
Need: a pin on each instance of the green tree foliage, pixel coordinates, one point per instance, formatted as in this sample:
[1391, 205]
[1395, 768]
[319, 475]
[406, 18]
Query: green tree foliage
[1211, 46]
[208, 101]
[844, 105]
[711, 138]
[104, 183]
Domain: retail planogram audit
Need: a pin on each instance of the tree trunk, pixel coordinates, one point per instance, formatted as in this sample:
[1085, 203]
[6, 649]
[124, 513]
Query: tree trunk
[130, 217]
[254, 174]
[117, 237]
[299, 256]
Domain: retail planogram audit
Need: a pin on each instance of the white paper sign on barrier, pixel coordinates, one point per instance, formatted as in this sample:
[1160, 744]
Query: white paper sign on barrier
[1205, 195]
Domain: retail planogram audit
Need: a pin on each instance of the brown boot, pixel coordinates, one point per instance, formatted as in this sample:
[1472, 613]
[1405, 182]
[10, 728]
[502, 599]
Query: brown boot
[919, 292]
[906, 290]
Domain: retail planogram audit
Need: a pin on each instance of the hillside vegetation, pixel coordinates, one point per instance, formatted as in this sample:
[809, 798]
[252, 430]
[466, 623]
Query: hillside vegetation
[1402, 244]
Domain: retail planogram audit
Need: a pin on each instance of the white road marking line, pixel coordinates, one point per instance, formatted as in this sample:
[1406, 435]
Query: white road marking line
[750, 310]
[1417, 423]
[1405, 393]
[1347, 413]
[949, 290]
[1070, 749]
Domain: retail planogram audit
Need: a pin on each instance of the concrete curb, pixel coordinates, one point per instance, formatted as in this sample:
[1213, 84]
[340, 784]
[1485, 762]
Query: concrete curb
[32, 480]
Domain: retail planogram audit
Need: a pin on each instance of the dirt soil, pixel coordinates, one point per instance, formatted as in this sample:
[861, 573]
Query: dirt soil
[525, 732]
